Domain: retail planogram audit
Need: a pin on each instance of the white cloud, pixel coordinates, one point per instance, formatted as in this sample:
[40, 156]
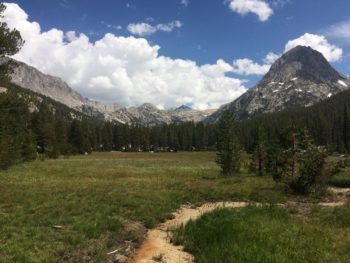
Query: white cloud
[184, 3]
[320, 43]
[271, 57]
[259, 7]
[339, 31]
[141, 29]
[145, 29]
[124, 70]
[247, 66]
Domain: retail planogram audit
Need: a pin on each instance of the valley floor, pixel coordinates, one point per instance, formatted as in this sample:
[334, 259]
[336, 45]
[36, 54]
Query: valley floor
[82, 208]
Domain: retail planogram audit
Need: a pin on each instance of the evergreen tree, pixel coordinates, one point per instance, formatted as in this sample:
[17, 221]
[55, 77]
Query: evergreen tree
[228, 155]
[10, 43]
[299, 164]
[61, 135]
[275, 161]
[259, 157]
[310, 166]
[43, 125]
[346, 127]
[16, 141]
[76, 137]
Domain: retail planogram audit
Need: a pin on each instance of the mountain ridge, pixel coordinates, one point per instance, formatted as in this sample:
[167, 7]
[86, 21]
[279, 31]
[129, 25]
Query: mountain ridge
[55, 88]
[300, 78]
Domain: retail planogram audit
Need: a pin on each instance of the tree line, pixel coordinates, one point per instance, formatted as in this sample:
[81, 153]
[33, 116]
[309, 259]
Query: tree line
[28, 131]
[292, 160]
[328, 123]
[51, 131]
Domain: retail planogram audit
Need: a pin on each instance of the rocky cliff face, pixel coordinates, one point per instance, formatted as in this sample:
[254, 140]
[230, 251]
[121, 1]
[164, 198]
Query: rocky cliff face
[300, 78]
[55, 88]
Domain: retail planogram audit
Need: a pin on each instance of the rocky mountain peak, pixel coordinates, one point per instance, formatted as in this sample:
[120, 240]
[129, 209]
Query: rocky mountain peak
[183, 108]
[305, 63]
[300, 78]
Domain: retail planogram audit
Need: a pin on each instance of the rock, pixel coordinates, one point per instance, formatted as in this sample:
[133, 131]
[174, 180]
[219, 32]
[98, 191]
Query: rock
[118, 258]
[55, 88]
[300, 78]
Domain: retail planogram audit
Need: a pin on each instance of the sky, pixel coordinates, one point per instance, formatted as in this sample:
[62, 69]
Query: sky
[199, 53]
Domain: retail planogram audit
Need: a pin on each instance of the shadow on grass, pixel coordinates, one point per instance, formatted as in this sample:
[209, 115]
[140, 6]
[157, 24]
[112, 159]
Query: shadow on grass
[340, 182]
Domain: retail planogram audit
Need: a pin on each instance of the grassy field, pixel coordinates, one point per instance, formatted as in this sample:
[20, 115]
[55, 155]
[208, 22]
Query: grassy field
[267, 234]
[341, 179]
[271, 234]
[99, 199]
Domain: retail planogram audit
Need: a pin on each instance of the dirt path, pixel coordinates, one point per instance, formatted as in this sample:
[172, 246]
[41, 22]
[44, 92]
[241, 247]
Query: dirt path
[340, 197]
[157, 246]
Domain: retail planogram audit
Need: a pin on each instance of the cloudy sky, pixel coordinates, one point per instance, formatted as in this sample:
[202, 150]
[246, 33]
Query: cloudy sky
[202, 53]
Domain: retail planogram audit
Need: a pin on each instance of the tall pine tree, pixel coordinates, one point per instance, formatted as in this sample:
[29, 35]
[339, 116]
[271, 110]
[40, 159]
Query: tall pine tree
[228, 155]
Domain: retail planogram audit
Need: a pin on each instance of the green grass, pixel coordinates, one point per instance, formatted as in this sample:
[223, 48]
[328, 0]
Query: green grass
[266, 234]
[341, 179]
[94, 197]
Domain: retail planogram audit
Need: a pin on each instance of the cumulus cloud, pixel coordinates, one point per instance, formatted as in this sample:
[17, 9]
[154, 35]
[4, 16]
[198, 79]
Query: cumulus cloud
[339, 31]
[270, 58]
[259, 7]
[145, 29]
[320, 43]
[247, 66]
[124, 70]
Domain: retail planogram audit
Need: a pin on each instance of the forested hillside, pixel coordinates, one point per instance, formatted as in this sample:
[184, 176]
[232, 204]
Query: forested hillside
[32, 125]
[328, 123]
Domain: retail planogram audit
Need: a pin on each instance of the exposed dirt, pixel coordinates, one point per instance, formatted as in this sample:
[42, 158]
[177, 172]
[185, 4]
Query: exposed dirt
[157, 246]
[339, 197]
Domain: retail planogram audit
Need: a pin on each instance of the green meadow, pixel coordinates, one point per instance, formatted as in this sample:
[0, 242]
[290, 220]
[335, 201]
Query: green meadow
[93, 199]
[80, 208]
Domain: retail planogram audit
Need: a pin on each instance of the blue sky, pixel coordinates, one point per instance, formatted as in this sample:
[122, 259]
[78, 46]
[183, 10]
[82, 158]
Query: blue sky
[200, 31]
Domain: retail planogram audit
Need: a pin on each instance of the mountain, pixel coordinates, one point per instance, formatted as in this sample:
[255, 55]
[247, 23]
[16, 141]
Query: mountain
[55, 88]
[300, 78]
[148, 114]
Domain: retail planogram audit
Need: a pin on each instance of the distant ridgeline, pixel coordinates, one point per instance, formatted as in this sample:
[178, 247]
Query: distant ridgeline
[32, 125]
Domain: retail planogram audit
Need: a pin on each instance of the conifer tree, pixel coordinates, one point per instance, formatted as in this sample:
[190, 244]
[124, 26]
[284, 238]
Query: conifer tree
[259, 157]
[228, 155]
[16, 141]
[43, 125]
[10, 43]
[346, 127]
[311, 161]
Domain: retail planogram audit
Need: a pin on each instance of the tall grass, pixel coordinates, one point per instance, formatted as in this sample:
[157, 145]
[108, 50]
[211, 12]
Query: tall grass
[341, 179]
[254, 234]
